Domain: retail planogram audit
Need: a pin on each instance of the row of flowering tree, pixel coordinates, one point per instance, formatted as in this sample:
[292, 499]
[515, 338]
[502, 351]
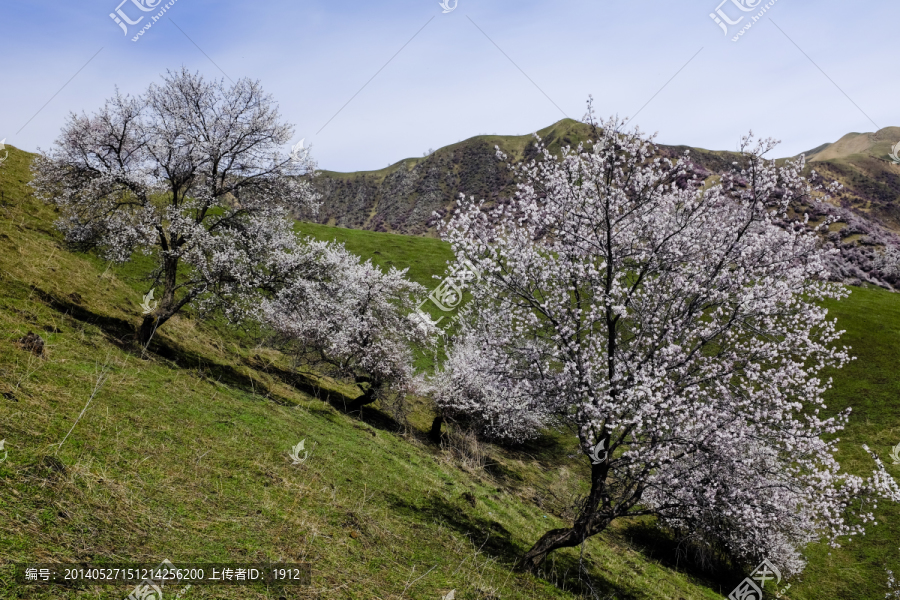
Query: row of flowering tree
[679, 327]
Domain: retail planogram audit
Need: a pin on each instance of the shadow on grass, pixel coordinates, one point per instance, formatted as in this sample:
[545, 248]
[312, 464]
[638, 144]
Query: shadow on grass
[553, 447]
[491, 538]
[548, 451]
[656, 544]
[119, 332]
[338, 400]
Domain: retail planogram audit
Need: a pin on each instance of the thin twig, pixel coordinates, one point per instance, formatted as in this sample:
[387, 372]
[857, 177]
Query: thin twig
[408, 585]
[101, 378]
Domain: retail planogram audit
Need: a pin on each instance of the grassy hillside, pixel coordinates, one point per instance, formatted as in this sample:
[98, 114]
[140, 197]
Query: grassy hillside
[871, 386]
[403, 197]
[183, 454]
[877, 144]
[423, 257]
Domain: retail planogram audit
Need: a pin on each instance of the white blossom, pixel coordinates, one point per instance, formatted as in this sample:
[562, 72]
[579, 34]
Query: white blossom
[469, 385]
[348, 313]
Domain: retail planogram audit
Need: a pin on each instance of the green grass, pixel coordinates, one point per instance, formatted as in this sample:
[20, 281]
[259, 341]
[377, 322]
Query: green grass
[423, 257]
[870, 384]
[183, 454]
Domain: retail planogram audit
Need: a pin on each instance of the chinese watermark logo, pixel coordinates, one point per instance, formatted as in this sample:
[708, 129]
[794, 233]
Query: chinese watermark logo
[724, 21]
[143, 5]
[895, 153]
[146, 308]
[122, 20]
[296, 450]
[449, 293]
[595, 453]
[298, 152]
[445, 4]
[895, 453]
[751, 587]
[148, 589]
[6, 152]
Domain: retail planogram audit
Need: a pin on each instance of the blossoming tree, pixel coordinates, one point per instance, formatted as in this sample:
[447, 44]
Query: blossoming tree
[349, 315]
[469, 385]
[191, 173]
[678, 325]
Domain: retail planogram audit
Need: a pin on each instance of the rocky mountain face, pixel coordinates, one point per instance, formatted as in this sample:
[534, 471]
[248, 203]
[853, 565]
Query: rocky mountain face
[871, 179]
[404, 197]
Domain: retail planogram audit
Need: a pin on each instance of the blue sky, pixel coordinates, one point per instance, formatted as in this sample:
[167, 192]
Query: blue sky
[500, 66]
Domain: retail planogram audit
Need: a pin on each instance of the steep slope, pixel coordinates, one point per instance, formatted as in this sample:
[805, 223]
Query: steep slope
[182, 454]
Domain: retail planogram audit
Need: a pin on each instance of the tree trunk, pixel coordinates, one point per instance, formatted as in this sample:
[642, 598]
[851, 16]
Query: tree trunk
[562, 538]
[167, 306]
[553, 539]
[367, 398]
[589, 523]
[145, 331]
[435, 434]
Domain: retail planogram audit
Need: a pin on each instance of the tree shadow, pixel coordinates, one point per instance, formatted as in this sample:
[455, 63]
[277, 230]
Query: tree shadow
[662, 546]
[122, 334]
[504, 475]
[336, 399]
[562, 570]
[492, 537]
[549, 451]
[118, 331]
[551, 447]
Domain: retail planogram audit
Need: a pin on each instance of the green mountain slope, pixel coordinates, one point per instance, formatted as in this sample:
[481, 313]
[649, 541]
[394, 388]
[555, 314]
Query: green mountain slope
[403, 197]
[413, 195]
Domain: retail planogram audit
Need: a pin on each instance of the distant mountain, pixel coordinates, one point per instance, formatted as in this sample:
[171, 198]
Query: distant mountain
[871, 180]
[404, 197]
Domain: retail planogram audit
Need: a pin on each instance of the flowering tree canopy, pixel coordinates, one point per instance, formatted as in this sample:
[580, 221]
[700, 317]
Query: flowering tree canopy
[190, 172]
[471, 386]
[351, 315]
[679, 326]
